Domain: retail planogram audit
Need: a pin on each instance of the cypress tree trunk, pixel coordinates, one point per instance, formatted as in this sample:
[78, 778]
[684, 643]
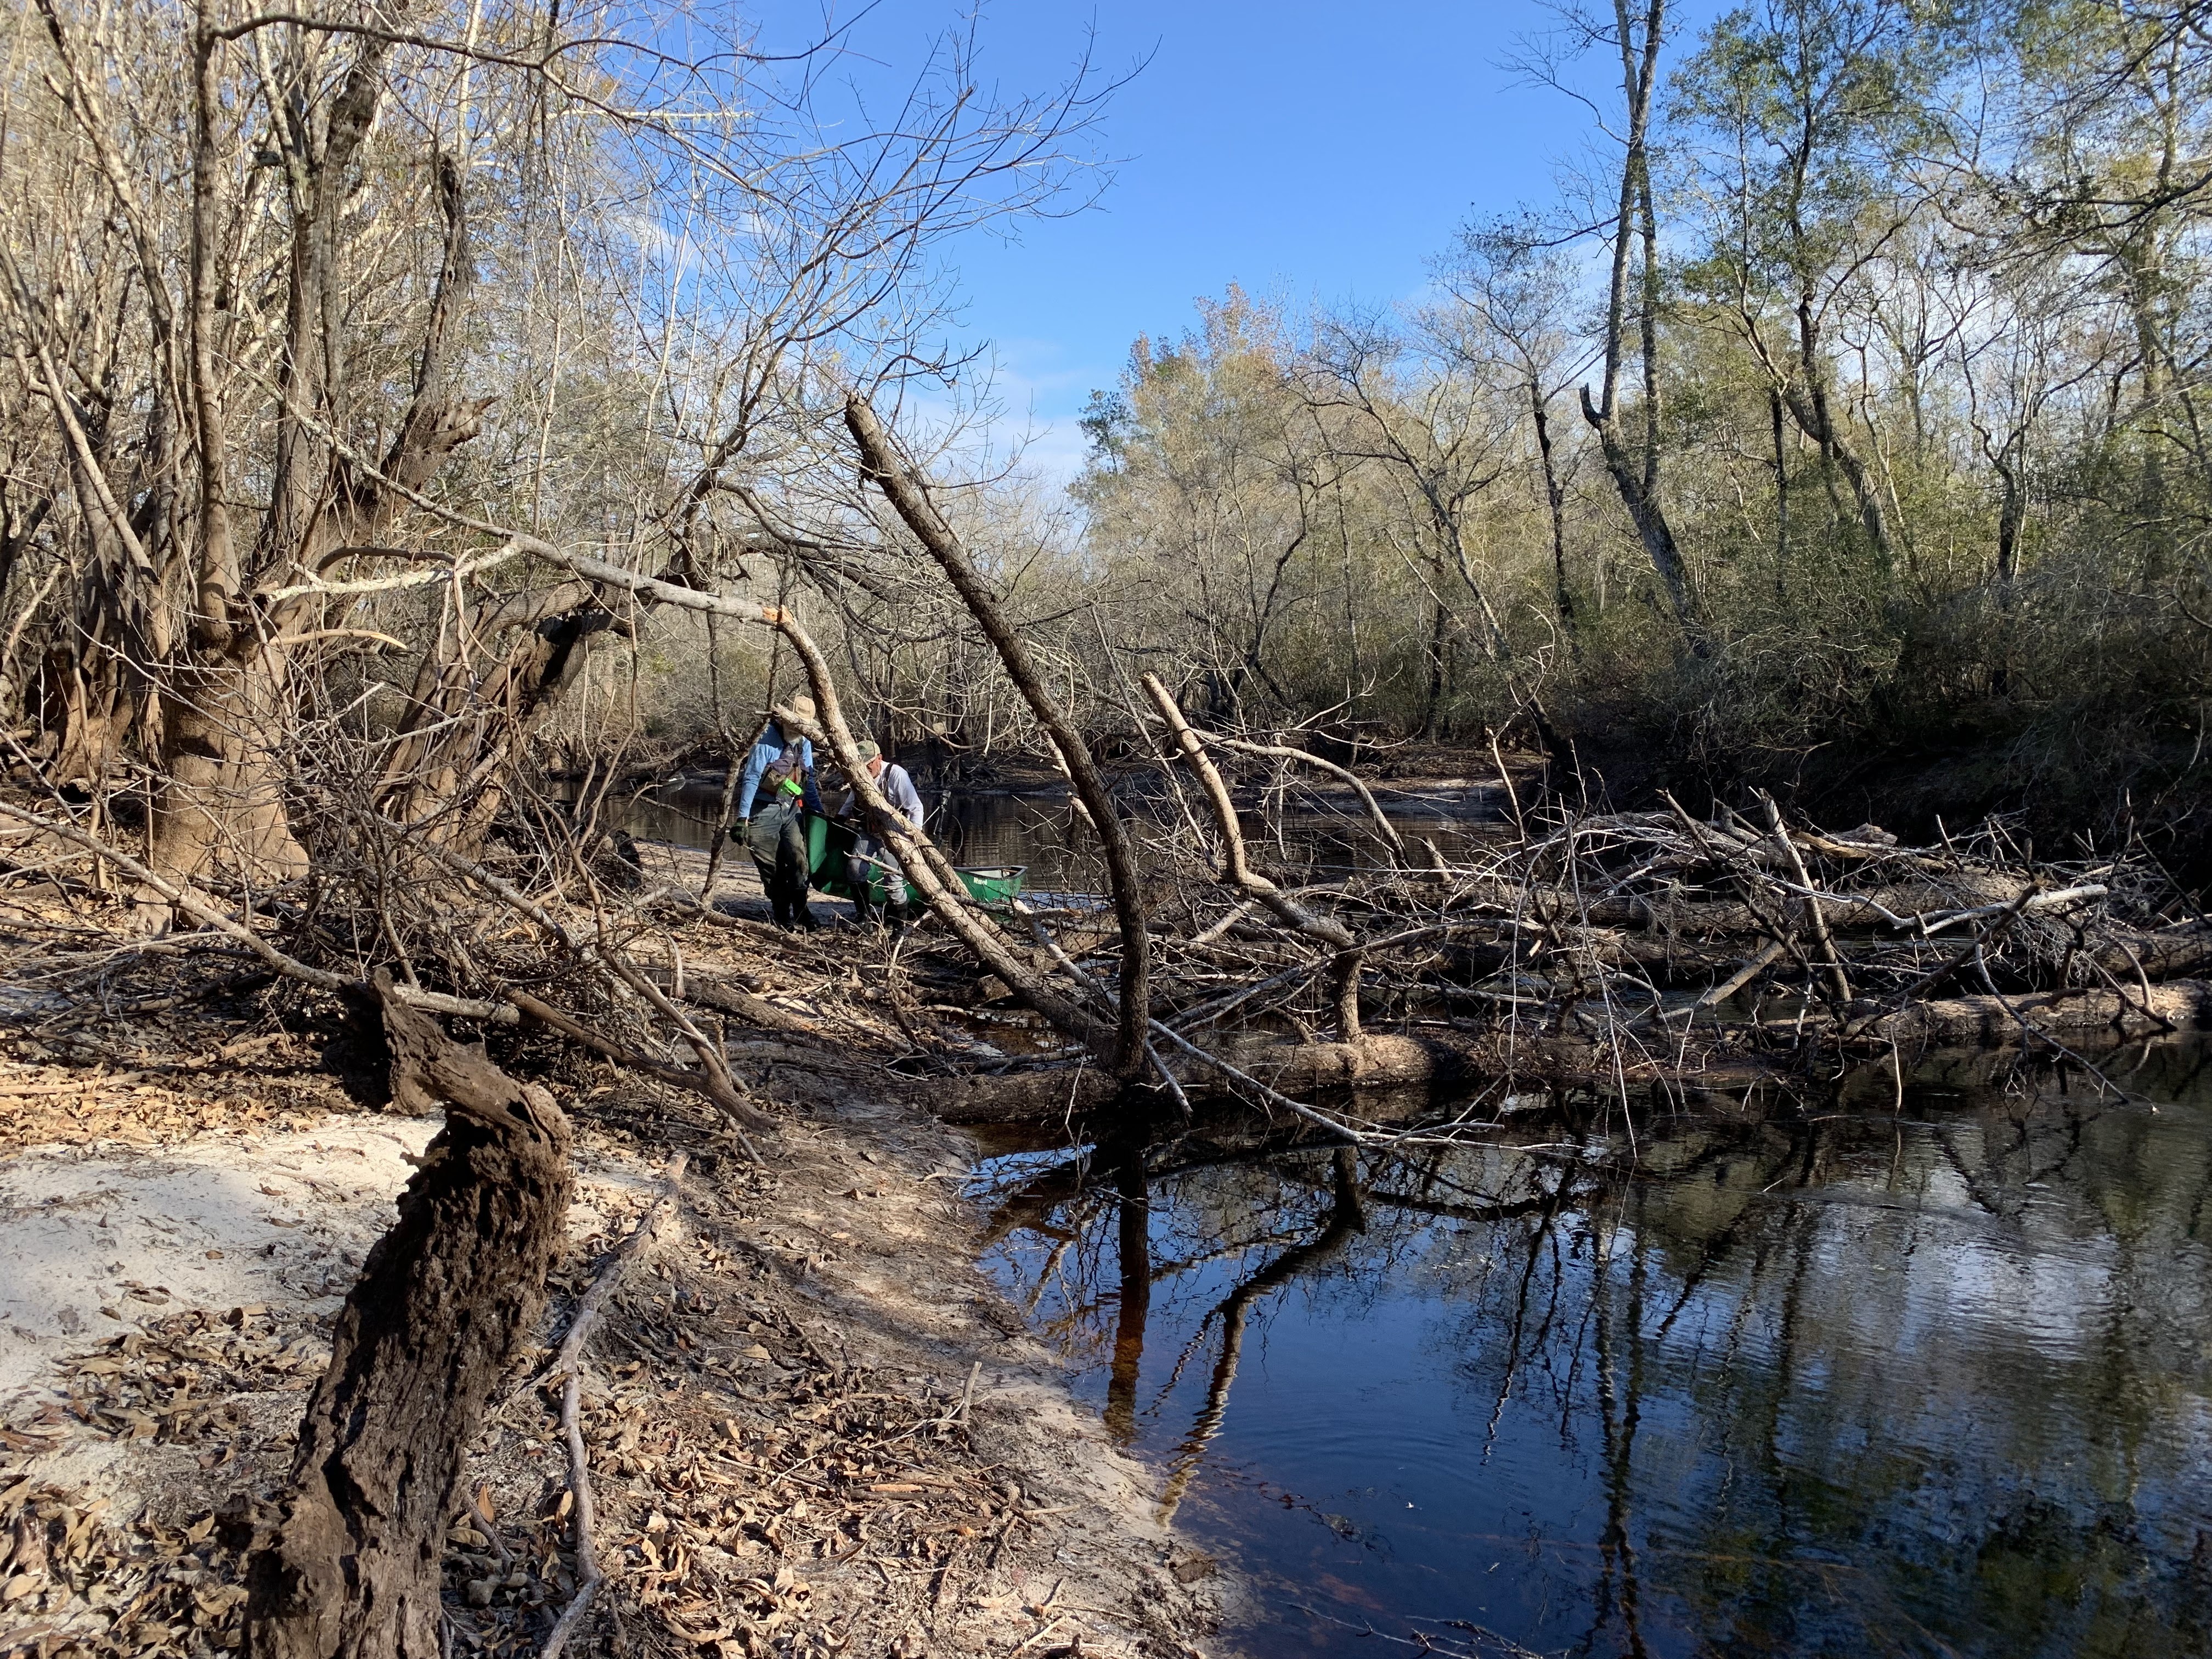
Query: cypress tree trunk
[442, 1304]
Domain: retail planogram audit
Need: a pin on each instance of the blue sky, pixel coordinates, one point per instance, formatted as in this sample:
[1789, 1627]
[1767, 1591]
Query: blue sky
[1307, 150]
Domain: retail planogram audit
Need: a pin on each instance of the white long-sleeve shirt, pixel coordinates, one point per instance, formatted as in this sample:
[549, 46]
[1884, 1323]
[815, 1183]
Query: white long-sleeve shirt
[898, 789]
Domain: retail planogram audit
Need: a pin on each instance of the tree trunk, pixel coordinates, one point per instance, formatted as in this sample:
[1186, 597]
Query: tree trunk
[1652, 529]
[1432, 694]
[222, 746]
[1636, 475]
[1555, 499]
[354, 1566]
[1781, 496]
[885, 465]
[227, 727]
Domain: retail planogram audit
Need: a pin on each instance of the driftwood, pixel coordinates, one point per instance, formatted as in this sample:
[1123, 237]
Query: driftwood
[1432, 1059]
[1030, 1096]
[2169, 953]
[756, 1011]
[1866, 912]
[1610, 951]
[442, 1305]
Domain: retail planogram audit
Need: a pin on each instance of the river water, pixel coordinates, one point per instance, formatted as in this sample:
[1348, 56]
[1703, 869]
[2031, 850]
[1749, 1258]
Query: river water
[1932, 1378]
[1039, 831]
[1928, 1378]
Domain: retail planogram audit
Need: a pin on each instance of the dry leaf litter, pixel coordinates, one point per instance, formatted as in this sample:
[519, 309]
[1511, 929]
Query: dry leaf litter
[814, 1428]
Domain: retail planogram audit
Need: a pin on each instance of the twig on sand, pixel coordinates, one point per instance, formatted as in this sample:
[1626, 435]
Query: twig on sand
[568, 1366]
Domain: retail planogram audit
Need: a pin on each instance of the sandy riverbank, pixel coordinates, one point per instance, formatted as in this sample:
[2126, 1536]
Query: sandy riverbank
[815, 1427]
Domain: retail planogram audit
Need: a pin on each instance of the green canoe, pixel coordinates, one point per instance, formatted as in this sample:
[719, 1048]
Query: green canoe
[829, 843]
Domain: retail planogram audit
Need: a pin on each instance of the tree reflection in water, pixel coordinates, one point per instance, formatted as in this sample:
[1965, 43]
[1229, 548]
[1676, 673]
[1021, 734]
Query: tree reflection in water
[1934, 1380]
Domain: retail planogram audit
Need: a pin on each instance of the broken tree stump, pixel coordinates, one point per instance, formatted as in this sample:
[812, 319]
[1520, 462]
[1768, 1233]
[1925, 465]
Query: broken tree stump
[444, 1301]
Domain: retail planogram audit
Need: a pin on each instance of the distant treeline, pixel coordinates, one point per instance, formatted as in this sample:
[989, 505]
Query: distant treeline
[1855, 420]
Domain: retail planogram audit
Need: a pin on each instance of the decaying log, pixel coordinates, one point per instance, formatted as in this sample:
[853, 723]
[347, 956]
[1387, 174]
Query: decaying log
[2169, 953]
[1036, 1097]
[1376, 1061]
[757, 1012]
[1858, 912]
[443, 1303]
[1438, 1058]
[2184, 1003]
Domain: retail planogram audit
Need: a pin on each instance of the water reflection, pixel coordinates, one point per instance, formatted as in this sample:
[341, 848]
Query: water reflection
[1936, 1380]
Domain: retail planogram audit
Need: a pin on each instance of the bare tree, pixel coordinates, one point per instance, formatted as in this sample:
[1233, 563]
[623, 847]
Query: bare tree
[1635, 33]
[302, 312]
[1513, 304]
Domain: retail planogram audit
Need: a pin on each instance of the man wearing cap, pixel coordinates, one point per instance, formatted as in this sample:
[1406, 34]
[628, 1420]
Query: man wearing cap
[773, 796]
[870, 857]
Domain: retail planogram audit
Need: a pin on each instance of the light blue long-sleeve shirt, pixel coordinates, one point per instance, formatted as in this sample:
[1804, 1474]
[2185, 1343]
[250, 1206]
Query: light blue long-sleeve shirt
[766, 749]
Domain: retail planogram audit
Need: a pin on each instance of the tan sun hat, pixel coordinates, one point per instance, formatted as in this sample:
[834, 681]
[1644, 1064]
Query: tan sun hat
[803, 706]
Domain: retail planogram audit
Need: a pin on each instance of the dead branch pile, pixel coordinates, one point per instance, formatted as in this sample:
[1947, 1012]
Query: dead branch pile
[1618, 949]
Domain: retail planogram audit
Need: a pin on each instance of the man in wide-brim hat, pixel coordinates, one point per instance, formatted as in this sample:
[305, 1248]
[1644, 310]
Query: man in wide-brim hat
[774, 795]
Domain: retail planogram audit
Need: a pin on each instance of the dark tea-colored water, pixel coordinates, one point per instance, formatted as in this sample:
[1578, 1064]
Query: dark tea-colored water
[1928, 1381]
[1039, 831]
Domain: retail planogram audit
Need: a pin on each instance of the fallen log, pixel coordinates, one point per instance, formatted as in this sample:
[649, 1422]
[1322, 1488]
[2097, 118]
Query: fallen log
[2169, 953]
[1043, 1096]
[2179, 1004]
[757, 1012]
[1376, 1061]
[1445, 1059]
[353, 1565]
[1869, 911]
